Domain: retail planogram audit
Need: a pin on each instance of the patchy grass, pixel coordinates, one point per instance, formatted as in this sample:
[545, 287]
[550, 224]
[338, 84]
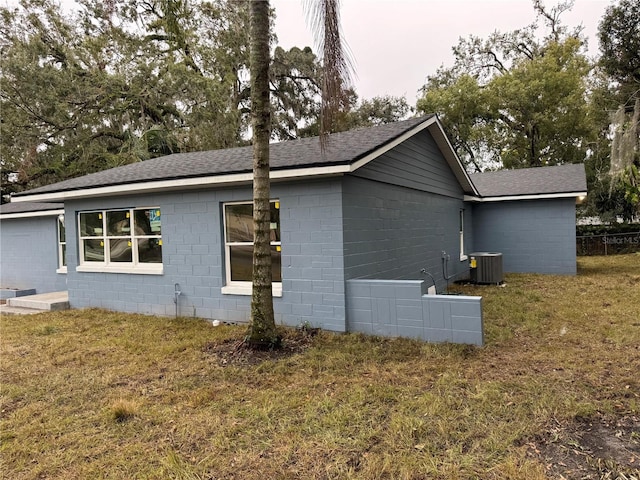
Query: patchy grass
[555, 393]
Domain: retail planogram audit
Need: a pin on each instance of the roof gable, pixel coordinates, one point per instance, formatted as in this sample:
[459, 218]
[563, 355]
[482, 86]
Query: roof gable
[345, 152]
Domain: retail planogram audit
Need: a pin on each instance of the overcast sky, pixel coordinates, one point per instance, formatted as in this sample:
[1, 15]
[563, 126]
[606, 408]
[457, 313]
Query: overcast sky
[396, 44]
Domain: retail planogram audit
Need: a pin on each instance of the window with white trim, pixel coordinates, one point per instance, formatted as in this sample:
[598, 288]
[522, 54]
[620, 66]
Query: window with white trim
[62, 245]
[463, 256]
[238, 235]
[121, 239]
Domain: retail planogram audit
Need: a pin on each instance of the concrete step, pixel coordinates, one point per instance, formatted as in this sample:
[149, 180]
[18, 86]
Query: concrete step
[43, 301]
[7, 310]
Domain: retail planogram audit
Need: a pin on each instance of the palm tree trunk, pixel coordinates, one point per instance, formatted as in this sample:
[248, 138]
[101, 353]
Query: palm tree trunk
[262, 329]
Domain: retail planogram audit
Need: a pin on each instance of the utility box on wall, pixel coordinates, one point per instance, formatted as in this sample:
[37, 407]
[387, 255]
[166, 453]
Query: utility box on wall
[486, 267]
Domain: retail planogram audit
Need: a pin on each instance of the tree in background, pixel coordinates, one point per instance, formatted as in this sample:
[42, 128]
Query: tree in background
[357, 113]
[513, 100]
[118, 81]
[619, 34]
[114, 83]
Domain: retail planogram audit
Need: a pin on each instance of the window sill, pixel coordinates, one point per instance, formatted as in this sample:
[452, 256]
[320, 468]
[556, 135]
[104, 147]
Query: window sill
[245, 288]
[463, 258]
[61, 270]
[124, 269]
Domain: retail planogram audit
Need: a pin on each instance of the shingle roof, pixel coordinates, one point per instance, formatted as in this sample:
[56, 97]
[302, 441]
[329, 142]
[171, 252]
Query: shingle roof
[28, 207]
[342, 149]
[559, 179]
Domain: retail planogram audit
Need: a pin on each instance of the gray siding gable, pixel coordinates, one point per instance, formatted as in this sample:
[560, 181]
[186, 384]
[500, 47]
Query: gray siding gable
[417, 163]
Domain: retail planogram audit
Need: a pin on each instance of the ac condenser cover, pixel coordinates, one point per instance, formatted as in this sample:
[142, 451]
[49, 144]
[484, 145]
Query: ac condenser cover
[486, 267]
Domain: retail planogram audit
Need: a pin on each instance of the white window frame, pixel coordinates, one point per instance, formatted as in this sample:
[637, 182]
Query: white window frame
[107, 266]
[463, 256]
[243, 287]
[62, 245]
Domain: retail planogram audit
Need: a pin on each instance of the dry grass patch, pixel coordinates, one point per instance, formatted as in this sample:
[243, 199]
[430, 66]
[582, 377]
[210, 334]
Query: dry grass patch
[95, 394]
[122, 410]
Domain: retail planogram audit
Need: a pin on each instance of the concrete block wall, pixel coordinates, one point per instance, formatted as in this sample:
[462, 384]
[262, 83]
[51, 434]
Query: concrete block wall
[29, 254]
[392, 232]
[400, 308]
[193, 257]
[537, 236]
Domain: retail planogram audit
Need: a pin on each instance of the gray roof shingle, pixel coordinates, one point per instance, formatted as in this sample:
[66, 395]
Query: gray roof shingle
[342, 148]
[559, 179]
[28, 207]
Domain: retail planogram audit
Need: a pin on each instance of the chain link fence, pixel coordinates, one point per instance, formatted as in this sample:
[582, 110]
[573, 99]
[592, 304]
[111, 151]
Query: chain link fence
[611, 244]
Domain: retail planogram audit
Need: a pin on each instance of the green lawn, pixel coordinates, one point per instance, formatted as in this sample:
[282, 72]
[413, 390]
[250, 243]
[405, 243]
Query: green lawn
[93, 394]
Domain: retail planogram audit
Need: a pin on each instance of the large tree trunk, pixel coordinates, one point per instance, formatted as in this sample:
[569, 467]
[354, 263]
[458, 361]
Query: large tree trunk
[262, 330]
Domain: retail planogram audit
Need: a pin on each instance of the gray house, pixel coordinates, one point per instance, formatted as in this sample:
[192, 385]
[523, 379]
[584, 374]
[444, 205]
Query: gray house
[32, 255]
[529, 216]
[381, 205]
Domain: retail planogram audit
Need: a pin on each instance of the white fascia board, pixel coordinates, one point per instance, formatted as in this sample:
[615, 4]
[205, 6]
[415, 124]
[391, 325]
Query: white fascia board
[42, 213]
[180, 183]
[450, 154]
[543, 196]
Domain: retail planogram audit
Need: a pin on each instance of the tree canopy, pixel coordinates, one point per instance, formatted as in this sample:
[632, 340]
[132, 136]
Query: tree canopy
[513, 99]
[619, 34]
[532, 97]
[119, 81]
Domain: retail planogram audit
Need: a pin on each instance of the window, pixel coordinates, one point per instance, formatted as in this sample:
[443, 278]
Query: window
[463, 257]
[62, 246]
[121, 240]
[238, 233]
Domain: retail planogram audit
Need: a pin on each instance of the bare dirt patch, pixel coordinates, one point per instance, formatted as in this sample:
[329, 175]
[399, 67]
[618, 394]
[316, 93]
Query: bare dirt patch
[603, 448]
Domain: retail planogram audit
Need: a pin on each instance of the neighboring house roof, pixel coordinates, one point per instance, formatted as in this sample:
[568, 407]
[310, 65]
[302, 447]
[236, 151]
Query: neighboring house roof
[550, 182]
[30, 209]
[344, 153]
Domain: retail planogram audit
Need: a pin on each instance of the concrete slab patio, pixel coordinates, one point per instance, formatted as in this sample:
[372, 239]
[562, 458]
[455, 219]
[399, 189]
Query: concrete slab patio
[30, 304]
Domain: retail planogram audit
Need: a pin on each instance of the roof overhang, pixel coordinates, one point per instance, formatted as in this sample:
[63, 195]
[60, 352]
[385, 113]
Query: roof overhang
[579, 196]
[432, 124]
[181, 184]
[437, 131]
[39, 213]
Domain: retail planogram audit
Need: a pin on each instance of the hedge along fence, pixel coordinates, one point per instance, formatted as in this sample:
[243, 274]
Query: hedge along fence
[608, 244]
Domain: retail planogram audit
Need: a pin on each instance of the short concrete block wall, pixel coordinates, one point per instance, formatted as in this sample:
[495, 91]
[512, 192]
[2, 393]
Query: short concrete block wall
[14, 292]
[400, 308]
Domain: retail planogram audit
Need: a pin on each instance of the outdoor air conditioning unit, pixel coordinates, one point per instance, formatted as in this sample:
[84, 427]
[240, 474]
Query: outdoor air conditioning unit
[486, 267]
